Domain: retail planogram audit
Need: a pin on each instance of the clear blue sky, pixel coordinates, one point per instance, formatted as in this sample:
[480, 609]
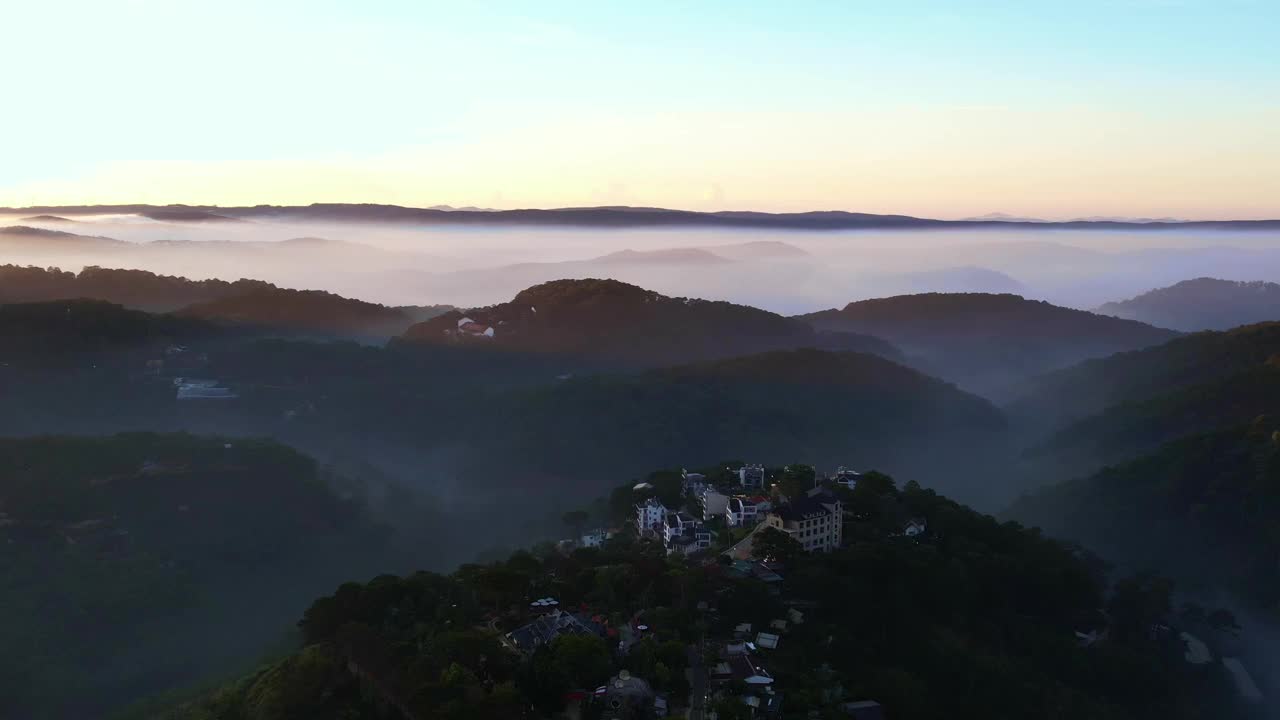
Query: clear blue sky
[942, 108]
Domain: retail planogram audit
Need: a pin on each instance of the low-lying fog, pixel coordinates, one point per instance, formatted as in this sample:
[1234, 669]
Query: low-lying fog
[785, 271]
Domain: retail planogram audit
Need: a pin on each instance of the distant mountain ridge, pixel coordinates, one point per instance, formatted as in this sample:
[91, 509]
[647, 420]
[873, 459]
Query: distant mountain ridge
[618, 216]
[1202, 304]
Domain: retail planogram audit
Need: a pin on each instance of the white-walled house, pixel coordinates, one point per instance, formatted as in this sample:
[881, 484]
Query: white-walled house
[595, 538]
[675, 524]
[741, 512]
[915, 527]
[650, 515]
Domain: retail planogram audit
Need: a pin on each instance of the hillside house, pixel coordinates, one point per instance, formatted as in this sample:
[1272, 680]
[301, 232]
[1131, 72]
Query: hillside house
[751, 476]
[737, 664]
[813, 520]
[741, 512]
[547, 628]
[915, 527]
[470, 328]
[690, 541]
[650, 516]
[595, 538]
[676, 523]
[846, 478]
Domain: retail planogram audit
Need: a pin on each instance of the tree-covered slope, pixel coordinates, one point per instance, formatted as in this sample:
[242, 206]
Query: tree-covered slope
[1202, 304]
[1205, 508]
[775, 406]
[631, 326]
[127, 558]
[1201, 358]
[1128, 430]
[985, 341]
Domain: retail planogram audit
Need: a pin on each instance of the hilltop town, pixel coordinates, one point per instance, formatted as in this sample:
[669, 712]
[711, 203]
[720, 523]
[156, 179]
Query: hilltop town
[740, 591]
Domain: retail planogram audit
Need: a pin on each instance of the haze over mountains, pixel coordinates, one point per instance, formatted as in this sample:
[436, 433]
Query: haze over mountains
[789, 264]
[589, 355]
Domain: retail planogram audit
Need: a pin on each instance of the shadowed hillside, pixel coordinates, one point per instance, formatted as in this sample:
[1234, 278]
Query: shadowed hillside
[1202, 304]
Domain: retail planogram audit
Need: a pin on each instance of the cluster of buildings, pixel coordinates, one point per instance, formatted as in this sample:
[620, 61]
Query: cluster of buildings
[679, 531]
[814, 519]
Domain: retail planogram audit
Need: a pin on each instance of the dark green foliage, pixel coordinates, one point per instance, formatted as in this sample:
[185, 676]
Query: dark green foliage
[119, 549]
[1133, 377]
[775, 546]
[824, 406]
[1202, 508]
[39, 334]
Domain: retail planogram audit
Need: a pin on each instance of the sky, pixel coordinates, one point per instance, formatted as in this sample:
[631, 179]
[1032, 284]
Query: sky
[943, 109]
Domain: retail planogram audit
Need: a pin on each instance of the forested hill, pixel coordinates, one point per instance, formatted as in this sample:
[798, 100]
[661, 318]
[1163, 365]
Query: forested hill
[1128, 430]
[780, 405]
[972, 619]
[1202, 304]
[1205, 357]
[134, 563]
[988, 342]
[629, 325]
[60, 332]
[1204, 508]
[250, 303]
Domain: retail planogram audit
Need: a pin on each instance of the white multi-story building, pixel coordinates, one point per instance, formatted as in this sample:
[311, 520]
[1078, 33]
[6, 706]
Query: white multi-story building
[675, 524]
[650, 515]
[741, 512]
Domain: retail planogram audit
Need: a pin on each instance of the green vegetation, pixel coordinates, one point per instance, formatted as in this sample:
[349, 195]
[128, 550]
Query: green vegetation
[1206, 357]
[1202, 508]
[61, 333]
[976, 618]
[805, 403]
[118, 551]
